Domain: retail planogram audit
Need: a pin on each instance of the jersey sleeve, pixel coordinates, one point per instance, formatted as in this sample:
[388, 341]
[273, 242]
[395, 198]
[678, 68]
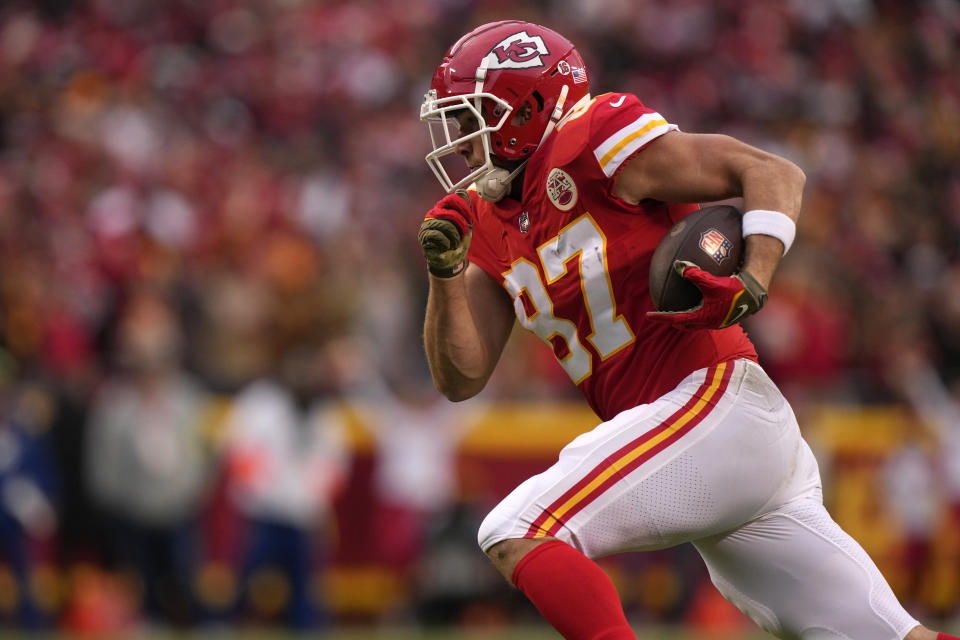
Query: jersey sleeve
[622, 126]
[482, 251]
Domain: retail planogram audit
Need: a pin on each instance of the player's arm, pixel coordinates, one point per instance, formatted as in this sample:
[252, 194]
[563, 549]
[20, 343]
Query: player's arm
[469, 315]
[684, 167]
[469, 318]
[690, 167]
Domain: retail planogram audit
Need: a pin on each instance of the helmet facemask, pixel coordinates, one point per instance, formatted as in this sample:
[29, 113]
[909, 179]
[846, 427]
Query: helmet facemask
[445, 132]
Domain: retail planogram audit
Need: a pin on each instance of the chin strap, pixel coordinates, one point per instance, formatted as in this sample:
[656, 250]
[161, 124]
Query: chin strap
[495, 184]
[557, 113]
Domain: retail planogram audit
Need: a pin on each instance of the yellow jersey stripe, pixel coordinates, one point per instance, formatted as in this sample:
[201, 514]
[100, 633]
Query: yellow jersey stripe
[633, 136]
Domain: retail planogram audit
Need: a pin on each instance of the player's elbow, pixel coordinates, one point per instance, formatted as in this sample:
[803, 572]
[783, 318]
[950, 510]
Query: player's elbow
[795, 178]
[459, 395]
[457, 391]
[778, 177]
[786, 172]
[793, 174]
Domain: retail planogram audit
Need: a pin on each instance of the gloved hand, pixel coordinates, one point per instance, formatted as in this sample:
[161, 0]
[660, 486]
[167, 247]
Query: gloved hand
[445, 235]
[726, 299]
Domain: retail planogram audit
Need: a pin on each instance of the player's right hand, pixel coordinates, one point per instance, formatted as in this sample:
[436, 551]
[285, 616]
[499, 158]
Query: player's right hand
[726, 299]
[445, 235]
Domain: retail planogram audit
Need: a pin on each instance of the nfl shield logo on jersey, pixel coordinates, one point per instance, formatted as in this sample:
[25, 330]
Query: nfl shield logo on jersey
[715, 245]
[561, 190]
[524, 222]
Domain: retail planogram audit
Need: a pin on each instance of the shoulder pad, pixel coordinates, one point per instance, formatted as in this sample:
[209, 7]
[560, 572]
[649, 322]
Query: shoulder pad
[613, 125]
[621, 126]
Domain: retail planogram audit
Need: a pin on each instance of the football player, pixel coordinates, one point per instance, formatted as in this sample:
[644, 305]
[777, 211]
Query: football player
[569, 194]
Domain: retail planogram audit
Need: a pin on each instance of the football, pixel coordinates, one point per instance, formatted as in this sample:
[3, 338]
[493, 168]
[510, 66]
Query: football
[711, 238]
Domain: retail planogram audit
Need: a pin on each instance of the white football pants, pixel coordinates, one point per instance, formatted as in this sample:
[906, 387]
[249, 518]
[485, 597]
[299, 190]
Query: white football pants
[719, 462]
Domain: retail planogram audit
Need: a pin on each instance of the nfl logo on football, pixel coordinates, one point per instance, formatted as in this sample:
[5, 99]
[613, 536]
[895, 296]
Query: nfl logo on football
[715, 245]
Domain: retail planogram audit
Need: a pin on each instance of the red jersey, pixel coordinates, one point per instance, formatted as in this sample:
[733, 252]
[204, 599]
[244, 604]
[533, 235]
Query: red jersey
[576, 260]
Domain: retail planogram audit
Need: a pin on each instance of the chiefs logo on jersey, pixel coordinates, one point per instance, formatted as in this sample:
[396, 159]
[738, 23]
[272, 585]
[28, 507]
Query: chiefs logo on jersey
[518, 51]
[561, 190]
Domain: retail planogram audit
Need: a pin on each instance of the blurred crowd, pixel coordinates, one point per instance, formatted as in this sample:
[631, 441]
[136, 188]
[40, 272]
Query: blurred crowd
[207, 239]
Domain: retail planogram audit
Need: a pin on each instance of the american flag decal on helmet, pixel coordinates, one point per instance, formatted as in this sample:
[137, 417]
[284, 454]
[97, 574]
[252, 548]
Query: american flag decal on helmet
[715, 245]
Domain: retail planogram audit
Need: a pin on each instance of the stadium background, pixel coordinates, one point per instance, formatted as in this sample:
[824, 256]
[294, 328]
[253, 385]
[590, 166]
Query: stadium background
[207, 217]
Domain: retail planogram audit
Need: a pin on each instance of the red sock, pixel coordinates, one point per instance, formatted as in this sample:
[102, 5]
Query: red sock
[572, 593]
[943, 636]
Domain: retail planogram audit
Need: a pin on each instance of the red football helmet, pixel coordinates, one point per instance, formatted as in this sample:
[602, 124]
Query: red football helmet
[494, 71]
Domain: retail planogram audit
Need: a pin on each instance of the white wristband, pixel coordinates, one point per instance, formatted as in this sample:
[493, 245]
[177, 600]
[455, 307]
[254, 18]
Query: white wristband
[770, 223]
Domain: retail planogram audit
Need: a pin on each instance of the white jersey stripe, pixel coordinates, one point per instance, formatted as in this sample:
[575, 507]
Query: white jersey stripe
[625, 142]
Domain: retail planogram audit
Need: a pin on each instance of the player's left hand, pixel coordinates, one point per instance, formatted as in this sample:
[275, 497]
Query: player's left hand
[726, 299]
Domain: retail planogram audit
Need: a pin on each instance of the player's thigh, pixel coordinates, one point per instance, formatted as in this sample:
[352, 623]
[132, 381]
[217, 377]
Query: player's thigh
[702, 459]
[797, 574]
[520, 514]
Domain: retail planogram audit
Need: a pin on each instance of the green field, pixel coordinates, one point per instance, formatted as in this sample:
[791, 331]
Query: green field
[511, 633]
[533, 634]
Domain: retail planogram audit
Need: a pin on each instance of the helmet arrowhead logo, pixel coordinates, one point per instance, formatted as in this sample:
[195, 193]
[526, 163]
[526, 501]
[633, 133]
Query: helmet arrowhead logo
[517, 51]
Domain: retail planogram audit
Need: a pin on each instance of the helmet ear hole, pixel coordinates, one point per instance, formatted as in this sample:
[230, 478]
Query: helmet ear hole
[539, 99]
[523, 116]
